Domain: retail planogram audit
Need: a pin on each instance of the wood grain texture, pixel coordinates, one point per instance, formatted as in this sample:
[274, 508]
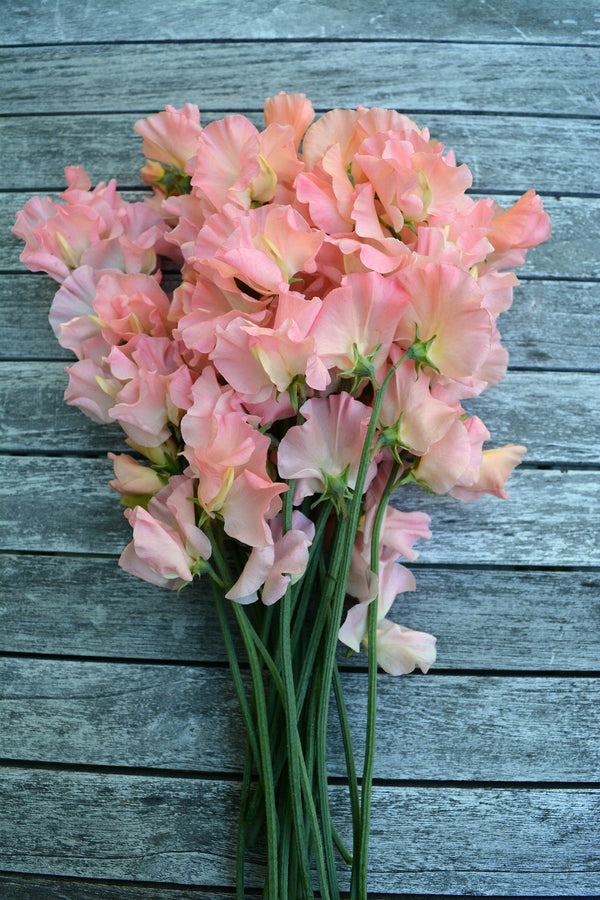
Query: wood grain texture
[571, 306]
[571, 252]
[63, 506]
[491, 145]
[483, 619]
[130, 715]
[21, 887]
[90, 78]
[517, 411]
[65, 20]
[486, 765]
[481, 840]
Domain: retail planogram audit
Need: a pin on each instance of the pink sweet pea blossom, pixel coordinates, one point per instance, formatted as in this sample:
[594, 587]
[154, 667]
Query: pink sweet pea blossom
[327, 445]
[496, 467]
[445, 307]
[167, 545]
[171, 136]
[277, 565]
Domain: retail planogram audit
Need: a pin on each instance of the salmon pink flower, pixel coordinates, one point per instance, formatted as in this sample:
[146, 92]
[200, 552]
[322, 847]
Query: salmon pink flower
[324, 452]
[167, 546]
[445, 308]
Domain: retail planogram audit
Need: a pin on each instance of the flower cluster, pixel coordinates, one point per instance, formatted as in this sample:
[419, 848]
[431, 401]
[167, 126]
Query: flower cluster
[308, 280]
[285, 329]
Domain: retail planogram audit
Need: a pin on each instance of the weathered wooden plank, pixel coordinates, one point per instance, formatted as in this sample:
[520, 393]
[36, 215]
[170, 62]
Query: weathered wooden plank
[497, 619]
[570, 306]
[477, 728]
[428, 839]
[146, 76]
[23, 887]
[571, 252]
[492, 146]
[524, 409]
[522, 22]
[62, 505]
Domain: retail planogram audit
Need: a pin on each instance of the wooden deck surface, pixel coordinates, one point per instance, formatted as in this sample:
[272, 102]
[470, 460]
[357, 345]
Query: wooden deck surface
[120, 739]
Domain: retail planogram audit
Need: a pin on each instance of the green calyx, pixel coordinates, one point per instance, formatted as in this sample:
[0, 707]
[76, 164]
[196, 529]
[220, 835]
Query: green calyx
[336, 489]
[362, 366]
[419, 352]
[174, 181]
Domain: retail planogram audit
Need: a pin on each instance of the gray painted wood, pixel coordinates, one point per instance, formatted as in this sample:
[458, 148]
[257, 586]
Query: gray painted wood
[491, 145]
[505, 86]
[571, 253]
[516, 411]
[62, 21]
[15, 887]
[569, 306]
[550, 620]
[552, 519]
[429, 839]
[90, 77]
[165, 716]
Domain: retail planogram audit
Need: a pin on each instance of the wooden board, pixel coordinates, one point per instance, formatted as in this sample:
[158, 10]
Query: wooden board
[107, 146]
[70, 21]
[88, 607]
[514, 412]
[240, 74]
[165, 717]
[121, 737]
[480, 839]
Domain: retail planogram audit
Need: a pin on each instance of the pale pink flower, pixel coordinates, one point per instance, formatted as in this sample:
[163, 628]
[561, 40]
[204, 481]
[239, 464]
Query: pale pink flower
[360, 315]
[277, 565]
[254, 358]
[92, 388]
[328, 445]
[445, 305]
[523, 225]
[496, 467]
[455, 459]
[132, 477]
[73, 318]
[265, 249]
[130, 304]
[399, 649]
[167, 545]
[171, 136]
[143, 406]
[289, 109]
[417, 418]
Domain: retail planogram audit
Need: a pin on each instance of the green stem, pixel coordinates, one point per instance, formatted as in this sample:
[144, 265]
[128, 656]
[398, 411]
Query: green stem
[264, 757]
[369, 760]
[350, 766]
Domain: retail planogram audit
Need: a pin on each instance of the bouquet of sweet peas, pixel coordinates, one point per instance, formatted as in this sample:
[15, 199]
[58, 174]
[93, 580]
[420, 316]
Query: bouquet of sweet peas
[333, 307]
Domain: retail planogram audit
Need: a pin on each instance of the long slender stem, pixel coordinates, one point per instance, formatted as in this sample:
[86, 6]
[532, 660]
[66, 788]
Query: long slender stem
[369, 760]
[264, 757]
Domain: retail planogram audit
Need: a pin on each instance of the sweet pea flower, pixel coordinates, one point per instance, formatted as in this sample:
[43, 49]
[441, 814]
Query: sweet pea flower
[167, 546]
[289, 109]
[272, 568]
[134, 478]
[410, 415]
[360, 317]
[445, 308]
[253, 358]
[456, 459]
[170, 137]
[324, 452]
[399, 649]
[496, 467]
[265, 248]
